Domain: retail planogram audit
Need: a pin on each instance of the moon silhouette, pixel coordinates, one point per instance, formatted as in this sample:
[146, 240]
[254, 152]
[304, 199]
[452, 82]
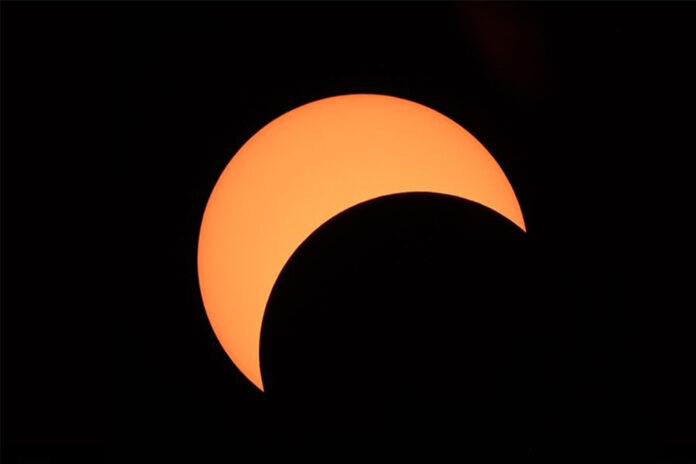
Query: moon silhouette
[307, 166]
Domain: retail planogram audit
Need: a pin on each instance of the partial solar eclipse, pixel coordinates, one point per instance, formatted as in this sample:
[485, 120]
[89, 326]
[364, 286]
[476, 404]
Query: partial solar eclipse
[307, 166]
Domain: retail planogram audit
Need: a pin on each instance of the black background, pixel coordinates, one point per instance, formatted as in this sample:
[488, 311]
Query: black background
[107, 354]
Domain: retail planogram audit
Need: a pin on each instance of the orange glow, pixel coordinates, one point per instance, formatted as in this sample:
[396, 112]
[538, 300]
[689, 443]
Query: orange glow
[309, 165]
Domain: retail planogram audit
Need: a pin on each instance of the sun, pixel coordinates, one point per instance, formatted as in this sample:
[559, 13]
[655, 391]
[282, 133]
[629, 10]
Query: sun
[304, 168]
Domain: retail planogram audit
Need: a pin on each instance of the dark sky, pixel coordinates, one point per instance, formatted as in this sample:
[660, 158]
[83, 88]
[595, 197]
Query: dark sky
[107, 354]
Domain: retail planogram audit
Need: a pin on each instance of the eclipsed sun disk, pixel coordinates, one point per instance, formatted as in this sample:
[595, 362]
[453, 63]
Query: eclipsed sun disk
[304, 168]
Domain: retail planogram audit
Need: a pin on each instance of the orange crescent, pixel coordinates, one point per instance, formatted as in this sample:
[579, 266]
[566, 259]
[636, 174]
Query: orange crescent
[307, 166]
